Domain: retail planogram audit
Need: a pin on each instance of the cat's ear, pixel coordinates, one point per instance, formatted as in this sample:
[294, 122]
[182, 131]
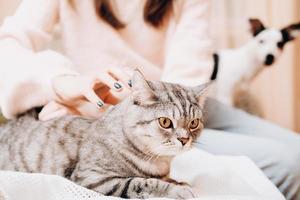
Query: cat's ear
[138, 81]
[202, 92]
[142, 86]
[256, 26]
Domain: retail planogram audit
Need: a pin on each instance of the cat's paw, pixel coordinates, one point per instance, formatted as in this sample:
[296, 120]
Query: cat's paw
[182, 192]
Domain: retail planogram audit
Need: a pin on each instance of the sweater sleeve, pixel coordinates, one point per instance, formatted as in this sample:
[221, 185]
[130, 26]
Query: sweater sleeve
[188, 54]
[26, 71]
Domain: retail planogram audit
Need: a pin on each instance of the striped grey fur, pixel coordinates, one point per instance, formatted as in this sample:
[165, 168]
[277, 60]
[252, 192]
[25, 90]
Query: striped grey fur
[125, 153]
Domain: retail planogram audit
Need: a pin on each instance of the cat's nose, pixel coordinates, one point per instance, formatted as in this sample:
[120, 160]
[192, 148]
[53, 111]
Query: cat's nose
[183, 140]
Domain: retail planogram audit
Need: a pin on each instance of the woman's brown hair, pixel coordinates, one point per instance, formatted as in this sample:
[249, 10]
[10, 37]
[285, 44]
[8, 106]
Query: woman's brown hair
[155, 12]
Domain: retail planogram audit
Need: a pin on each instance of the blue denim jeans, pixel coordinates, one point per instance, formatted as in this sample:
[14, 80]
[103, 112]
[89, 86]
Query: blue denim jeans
[274, 149]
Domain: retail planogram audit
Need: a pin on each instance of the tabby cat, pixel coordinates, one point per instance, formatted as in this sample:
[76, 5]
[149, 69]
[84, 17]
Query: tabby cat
[126, 153]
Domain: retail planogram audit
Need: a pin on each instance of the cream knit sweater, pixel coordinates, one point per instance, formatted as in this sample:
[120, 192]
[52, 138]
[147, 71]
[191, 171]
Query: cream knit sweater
[178, 52]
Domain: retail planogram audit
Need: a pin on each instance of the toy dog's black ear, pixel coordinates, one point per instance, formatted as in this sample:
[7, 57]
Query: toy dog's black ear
[291, 32]
[256, 26]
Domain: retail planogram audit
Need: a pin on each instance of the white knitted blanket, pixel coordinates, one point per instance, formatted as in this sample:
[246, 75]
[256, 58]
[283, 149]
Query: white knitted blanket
[212, 177]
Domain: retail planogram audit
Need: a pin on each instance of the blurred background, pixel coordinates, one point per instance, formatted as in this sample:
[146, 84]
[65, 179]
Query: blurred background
[276, 89]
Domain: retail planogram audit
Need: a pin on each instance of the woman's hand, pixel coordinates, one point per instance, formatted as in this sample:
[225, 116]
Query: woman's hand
[88, 95]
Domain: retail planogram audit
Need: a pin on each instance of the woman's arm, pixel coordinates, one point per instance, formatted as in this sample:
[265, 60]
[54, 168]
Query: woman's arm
[26, 73]
[188, 55]
[26, 77]
[32, 24]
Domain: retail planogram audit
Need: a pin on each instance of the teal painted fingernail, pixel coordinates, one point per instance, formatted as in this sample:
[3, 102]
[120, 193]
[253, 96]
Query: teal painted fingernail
[130, 83]
[100, 104]
[117, 86]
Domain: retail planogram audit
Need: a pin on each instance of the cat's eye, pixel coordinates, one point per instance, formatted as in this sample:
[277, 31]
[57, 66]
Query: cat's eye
[194, 124]
[165, 122]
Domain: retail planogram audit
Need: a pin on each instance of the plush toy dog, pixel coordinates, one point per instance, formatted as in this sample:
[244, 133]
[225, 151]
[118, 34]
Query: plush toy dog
[237, 67]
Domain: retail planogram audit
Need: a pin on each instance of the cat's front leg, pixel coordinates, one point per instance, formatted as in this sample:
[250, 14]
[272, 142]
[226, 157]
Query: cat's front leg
[152, 187]
[143, 188]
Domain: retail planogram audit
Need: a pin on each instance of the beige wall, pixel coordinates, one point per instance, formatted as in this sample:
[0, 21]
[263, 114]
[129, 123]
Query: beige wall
[7, 7]
[297, 76]
[276, 87]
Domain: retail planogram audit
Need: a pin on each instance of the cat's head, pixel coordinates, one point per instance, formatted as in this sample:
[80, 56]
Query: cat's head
[163, 118]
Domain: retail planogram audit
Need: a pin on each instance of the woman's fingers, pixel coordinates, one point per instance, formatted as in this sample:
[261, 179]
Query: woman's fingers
[59, 113]
[49, 108]
[107, 96]
[112, 100]
[92, 97]
[121, 76]
[87, 109]
[52, 110]
[110, 81]
[71, 89]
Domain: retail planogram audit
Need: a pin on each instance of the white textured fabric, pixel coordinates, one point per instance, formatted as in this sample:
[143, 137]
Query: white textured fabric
[212, 177]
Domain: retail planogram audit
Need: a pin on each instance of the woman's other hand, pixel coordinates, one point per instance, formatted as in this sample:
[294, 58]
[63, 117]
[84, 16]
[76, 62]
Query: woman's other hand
[87, 95]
